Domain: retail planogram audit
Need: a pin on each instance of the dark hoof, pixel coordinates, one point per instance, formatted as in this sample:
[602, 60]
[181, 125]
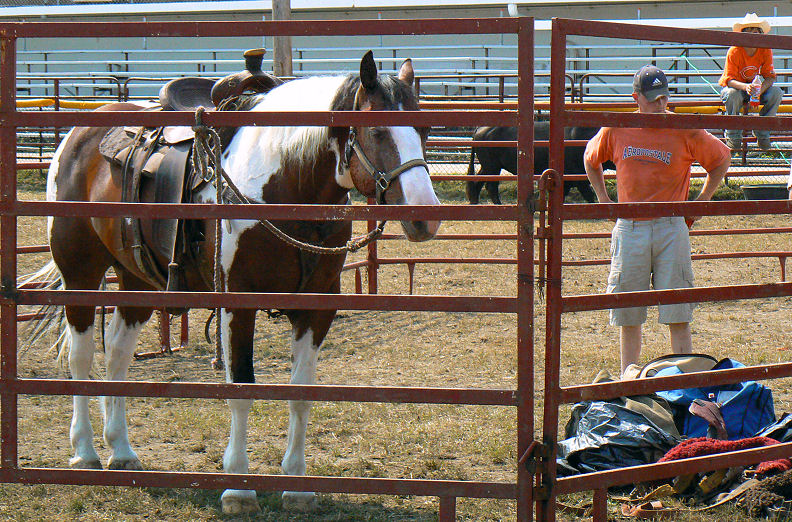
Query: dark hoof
[217, 364]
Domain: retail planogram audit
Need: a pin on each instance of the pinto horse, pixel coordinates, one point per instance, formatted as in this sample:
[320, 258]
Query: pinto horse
[300, 165]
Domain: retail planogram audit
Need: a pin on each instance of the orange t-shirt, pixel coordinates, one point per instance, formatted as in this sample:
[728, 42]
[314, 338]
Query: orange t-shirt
[743, 68]
[654, 164]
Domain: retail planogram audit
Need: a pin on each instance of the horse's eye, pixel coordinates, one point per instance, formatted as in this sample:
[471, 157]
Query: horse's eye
[379, 133]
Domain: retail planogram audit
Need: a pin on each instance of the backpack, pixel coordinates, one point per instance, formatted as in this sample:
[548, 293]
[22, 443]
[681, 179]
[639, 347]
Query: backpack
[747, 407]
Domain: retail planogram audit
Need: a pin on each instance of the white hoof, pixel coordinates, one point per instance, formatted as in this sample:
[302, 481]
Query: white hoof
[238, 501]
[304, 501]
[124, 464]
[81, 463]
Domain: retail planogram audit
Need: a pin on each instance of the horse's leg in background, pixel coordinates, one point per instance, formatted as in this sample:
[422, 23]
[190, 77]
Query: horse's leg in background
[584, 187]
[237, 328]
[309, 328]
[473, 191]
[492, 190]
[567, 188]
[121, 340]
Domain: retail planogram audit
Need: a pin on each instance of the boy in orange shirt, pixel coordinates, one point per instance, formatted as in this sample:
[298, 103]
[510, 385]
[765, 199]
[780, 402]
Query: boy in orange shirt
[652, 165]
[742, 64]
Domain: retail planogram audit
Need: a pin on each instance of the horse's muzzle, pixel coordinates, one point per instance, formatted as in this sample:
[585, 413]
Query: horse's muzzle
[420, 230]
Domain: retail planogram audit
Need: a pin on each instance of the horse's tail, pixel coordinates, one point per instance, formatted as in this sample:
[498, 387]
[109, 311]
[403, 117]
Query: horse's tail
[471, 166]
[46, 317]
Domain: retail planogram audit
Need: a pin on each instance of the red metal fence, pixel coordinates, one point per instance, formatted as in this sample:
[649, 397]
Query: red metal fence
[523, 489]
[11, 385]
[548, 485]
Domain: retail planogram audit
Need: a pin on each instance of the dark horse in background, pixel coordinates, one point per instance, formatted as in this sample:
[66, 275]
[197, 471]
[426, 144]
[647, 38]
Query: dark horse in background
[493, 159]
[284, 164]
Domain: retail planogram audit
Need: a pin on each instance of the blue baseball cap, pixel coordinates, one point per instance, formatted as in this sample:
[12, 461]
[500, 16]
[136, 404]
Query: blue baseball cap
[651, 82]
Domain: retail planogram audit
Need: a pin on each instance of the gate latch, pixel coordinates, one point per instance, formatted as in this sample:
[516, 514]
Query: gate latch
[536, 451]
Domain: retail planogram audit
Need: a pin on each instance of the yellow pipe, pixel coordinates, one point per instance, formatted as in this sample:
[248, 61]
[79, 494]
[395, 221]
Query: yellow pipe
[45, 102]
[73, 104]
[66, 104]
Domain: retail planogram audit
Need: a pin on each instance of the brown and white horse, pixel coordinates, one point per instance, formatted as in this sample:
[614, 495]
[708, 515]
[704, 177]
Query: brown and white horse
[267, 164]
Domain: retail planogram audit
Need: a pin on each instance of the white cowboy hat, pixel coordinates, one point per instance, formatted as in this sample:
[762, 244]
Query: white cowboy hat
[751, 20]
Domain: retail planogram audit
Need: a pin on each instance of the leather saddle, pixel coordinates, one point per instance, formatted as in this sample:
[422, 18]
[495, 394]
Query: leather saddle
[156, 168]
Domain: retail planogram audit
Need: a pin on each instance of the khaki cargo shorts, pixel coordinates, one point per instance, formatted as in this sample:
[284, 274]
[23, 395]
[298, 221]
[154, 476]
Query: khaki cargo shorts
[652, 252]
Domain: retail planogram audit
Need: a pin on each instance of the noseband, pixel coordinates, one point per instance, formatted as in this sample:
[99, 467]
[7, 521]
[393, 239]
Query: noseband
[382, 180]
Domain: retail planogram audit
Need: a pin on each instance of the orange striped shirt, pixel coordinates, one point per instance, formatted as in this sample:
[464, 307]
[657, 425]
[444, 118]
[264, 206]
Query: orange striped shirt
[743, 68]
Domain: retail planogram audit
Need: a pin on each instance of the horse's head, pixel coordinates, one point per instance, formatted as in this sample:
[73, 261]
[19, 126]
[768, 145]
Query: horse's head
[388, 162]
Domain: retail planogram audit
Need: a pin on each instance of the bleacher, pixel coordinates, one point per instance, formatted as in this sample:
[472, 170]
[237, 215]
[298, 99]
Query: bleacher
[596, 72]
[475, 71]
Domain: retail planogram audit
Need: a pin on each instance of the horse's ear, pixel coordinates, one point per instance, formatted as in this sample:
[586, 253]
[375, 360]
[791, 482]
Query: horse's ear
[368, 71]
[406, 73]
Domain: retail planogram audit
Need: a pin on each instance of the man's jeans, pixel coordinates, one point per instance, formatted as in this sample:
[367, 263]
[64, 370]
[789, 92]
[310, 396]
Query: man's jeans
[734, 99]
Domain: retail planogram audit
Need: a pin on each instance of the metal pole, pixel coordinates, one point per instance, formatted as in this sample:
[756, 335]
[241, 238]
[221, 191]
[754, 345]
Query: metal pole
[525, 264]
[282, 52]
[553, 314]
[447, 509]
[8, 261]
[371, 256]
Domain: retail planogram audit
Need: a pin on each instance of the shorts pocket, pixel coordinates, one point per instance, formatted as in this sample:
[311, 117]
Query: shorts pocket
[685, 273]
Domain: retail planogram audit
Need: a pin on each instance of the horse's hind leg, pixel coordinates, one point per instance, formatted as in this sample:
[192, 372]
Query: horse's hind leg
[473, 191]
[79, 275]
[308, 331]
[121, 340]
[494, 194]
[81, 353]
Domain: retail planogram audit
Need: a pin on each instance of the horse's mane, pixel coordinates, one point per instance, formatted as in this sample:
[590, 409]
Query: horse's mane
[322, 93]
[299, 144]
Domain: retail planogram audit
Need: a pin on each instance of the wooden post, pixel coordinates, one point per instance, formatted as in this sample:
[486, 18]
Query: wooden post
[282, 52]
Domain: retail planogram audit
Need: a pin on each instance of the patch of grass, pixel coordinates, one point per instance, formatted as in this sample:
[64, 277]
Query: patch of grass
[32, 179]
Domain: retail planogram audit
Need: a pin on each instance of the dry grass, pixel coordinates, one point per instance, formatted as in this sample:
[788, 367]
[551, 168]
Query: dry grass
[387, 348]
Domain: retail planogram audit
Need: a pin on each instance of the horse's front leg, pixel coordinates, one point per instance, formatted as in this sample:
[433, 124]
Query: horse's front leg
[308, 331]
[81, 353]
[237, 337]
[122, 336]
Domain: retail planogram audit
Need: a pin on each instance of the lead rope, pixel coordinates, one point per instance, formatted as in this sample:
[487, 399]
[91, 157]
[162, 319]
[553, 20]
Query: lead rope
[204, 143]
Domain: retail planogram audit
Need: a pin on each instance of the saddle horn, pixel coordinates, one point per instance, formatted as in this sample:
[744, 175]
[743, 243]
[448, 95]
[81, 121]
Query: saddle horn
[251, 79]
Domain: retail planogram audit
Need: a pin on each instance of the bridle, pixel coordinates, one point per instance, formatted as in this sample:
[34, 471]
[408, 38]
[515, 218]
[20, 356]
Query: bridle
[382, 180]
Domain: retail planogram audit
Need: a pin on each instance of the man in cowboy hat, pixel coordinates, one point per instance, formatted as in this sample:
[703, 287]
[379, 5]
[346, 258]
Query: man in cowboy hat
[742, 65]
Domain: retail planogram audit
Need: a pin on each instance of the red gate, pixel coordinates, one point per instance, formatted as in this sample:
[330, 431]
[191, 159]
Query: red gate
[548, 485]
[11, 385]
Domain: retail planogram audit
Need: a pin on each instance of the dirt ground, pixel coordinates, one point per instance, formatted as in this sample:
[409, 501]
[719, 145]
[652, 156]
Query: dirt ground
[393, 349]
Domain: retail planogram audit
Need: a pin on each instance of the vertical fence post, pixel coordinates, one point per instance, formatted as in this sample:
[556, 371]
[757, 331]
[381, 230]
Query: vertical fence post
[164, 331]
[373, 264]
[184, 336]
[525, 261]
[600, 506]
[554, 254]
[447, 509]
[8, 261]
